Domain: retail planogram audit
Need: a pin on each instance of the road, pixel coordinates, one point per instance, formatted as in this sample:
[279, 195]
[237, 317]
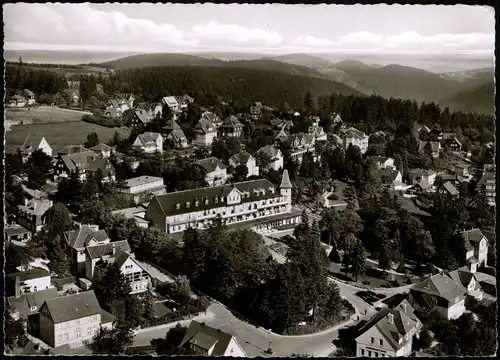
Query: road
[255, 340]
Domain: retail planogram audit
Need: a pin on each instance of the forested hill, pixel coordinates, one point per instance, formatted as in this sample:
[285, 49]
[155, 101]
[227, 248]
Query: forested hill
[239, 84]
[479, 98]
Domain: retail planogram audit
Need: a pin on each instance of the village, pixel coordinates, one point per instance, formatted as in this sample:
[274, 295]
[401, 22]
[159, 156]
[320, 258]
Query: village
[107, 213]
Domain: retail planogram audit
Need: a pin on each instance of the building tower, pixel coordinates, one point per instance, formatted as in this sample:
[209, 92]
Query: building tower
[286, 189]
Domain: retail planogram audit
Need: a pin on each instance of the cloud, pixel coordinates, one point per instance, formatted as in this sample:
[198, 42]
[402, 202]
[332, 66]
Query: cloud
[312, 41]
[213, 32]
[79, 24]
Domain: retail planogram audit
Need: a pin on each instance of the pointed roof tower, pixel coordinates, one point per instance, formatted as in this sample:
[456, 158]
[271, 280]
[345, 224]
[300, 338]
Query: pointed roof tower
[285, 181]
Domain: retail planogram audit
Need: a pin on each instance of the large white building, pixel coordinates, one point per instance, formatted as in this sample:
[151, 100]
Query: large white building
[257, 203]
[356, 138]
[216, 171]
[245, 159]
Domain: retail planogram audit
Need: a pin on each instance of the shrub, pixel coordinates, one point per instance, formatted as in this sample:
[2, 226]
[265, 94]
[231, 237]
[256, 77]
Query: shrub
[108, 122]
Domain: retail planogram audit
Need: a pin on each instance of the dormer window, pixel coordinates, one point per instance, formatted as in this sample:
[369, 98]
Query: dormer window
[206, 201]
[196, 203]
[216, 200]
[178, 206]
[188, 204]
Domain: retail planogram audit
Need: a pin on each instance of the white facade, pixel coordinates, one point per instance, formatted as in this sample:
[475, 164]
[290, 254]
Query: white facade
[253, 169]
[150, 147]
[234, 349]
[142, 186]
[360, 141]
[37, 284]
[206, 139]
[387, 163]
[138, 279]
[216, 177]
[373, 344]
[454, 310]
[45, 147]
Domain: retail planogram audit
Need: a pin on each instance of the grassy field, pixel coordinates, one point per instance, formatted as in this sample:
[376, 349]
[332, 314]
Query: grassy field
[59, 135]
[42, 115]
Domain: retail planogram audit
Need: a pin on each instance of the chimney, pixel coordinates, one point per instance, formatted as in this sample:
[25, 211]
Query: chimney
[18, 287]
[114, 248]
[390, 318]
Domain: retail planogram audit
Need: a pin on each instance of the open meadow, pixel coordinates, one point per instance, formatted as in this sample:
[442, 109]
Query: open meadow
[59, 135]
[42, 115]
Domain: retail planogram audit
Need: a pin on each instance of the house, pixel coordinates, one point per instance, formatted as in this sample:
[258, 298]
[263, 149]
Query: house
[202, 339]
[149, 142]
[476, 245]
[216, 171]
[334, 198]
[391, 178]
[433, 146]
[451, 143]
[30, 97]
[72, 319]
[336, 119]
[103, 150]
[356, 138]
[389, 333]
[212, 117]
[448, 188]
[300, 144]
[462, 170]
[142, 188]
[317, 131]
[206, 132]
[28, 304]
[16, 235]
[282, 135]
[33, 143]
[31, 214]
[231, 127]
[184, 101]
[137, 214]
[488, 181]
[256, 110]
[417, 175]
[423, 129]
[170, 126]
[450, 295]
[274, 155]
[118, 105]
[384, 162]
[117, 253]
[78, 240]
[29, 281]
[140, 118]
[468, 280]
[17, 101]
[257, 202]
[172, 103]
[85, 162]
[454, 179]
[245, 159]
[178, 138]
[157, 110]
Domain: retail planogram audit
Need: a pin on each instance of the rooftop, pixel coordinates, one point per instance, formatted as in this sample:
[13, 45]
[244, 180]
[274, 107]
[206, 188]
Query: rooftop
[72, 307]
[210, 164]
[25, 302]
[141, 180]
[205, 337]
[33, 273]
[440, 285]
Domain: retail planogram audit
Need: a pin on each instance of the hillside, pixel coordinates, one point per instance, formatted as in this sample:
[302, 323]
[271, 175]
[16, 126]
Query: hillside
[228, 83]
[477, 99]
[352, 65]
[161, 59]
[303, 60]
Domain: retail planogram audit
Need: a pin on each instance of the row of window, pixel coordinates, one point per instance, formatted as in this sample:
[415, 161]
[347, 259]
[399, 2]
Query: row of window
[78, 334]
[371, 353]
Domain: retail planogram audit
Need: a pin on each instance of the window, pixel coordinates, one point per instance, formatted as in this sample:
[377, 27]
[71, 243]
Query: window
[66, 336]
[372, 340]
[59, 338]
[34, 288]
[78, 333]
[369, 353]
[376, 354]
[381, 341]
[33, 308]
[89, 331]
[362, 352]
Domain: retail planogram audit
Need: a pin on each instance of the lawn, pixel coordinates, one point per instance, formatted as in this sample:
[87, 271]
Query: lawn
[42, 115]
[59, 135]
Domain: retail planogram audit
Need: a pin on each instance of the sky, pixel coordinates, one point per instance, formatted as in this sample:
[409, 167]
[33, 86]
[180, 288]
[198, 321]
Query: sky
[270, 28]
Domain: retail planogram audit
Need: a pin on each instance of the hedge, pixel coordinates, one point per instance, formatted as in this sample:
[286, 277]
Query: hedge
[99, 120]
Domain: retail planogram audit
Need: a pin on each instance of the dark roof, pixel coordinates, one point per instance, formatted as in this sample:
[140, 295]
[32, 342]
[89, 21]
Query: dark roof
[388, 175]
[441, 286]
[490, 175]
[142, 115]
[205, 337]
[408, 204]
[473, 235]
[232, 122]
[461, 277]
[148, 137]
[31, 143]
[211, 163]
[61, 350]
[23, 303]
[102, 147]
[420, 172]
[71, 307]
[241, 158]
[171, 125]
[168, 202]
[15, 231]
[33, 273]
[106, 317]
[205, 125]
[448, 186]
[177, 135]
[270, 150]
[107, 249]
[210, 116]
[32, 348]
[81, 237]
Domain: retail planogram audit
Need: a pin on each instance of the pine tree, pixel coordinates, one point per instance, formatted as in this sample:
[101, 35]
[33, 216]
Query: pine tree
[358, 260]
[384, 255]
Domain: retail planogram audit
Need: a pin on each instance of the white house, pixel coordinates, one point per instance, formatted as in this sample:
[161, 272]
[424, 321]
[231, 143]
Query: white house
[178, 138]
[103, 150]
[418, 175]
[231, 127]
[389, 333]
[468, 280]
[476, 245]
[149, 142]
[257, 202]
[216, 171]
[73, 158]
[72, 319]
[245, 159]
[137, 214]
[317, 131]
[142, 187]
[206, 132]
[30, 96]
[356, 138]
[33, 143]
[172, 103]
[203, 339]
[392, 178]
[450, 295]
[29, 281]
[274, 154]
[384, 162]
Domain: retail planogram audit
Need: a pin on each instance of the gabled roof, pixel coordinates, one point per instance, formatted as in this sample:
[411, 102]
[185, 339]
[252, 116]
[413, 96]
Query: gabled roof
[77, 239]
[388, 175]
[171, 125]
[277, 122]
[148, 138]
[473, 235]
[141, 180]
[102, 147]
[381, 159]
[211, 163]
[461, 276]
[142, 115]
[423, 184]
[32, 143]
[18, 98]
[435, 145]
[72, 150]
[420, 172]
[285, 181]
[353, 132]
[440, 285]
[490, 175]
[448, 186]
[205, 126]
[210, 116]
[170, 101]
[36, 207]
[241, 158]
[28, 92]
[23, 303]
[177, 136]
[201, 199]
[72, 307]
[393, 330]
[34, 273]
[98, 251]
[270, 150]
[205, 337]
[232, 122]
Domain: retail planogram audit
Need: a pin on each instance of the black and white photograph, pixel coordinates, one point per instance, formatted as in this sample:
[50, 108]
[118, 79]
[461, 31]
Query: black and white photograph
[249, 180]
